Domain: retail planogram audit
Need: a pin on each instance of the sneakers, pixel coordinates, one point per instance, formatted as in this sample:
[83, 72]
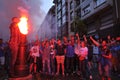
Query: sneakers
[56, 74]
[90, 77]
[63, 74]
[67, 74]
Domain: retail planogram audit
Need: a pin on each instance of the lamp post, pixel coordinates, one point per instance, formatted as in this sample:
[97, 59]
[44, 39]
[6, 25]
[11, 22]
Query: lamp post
[21, 68]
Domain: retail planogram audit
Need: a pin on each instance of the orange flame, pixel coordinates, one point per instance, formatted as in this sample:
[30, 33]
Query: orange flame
[23, 25]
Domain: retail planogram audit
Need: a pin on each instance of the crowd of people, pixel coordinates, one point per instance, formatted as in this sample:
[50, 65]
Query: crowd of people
[76, 55]
[70, 56]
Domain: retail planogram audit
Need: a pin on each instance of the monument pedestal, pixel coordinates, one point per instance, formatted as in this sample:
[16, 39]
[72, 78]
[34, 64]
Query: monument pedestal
[29, 77]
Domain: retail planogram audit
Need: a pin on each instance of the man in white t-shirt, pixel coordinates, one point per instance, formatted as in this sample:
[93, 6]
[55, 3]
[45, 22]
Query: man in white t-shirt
[83, 53]
[82, 59]
[34, 53]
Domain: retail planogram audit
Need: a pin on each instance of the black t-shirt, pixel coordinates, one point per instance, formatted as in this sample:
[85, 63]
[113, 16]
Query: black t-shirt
[1, 51]
[65, 45]
[60, 50]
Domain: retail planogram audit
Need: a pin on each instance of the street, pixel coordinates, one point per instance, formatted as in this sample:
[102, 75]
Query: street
[40, 76]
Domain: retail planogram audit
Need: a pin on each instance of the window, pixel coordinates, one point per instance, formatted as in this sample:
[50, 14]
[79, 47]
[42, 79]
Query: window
[63, 2]
[77, 2]
[78, 12]
[71, 5]
[99, 2]
[59, 32]
[59, 15]
[83, 0]
[59, 1]
[71, 16]
[59, 6]
[86, 10]
[59, 22]
[63, 10]
[64, 19]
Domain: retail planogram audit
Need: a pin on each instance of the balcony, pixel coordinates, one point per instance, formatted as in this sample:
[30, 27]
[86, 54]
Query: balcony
[85, 3]
[95, 8]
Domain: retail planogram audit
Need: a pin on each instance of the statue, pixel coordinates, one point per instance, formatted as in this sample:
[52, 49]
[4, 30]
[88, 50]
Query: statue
[17, 43]
[14, 43]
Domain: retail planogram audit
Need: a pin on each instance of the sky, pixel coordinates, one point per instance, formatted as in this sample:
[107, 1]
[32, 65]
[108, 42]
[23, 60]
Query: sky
[46, 5]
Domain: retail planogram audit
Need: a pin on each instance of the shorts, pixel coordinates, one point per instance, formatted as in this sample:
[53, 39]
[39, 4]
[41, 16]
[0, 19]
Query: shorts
[60, 59]
[34, 59]
[104, 70]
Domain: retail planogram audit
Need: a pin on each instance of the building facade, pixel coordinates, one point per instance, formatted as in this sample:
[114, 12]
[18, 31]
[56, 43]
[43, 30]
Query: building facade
[116, 8]
[101, 17]
[98, 15]
[64, 9]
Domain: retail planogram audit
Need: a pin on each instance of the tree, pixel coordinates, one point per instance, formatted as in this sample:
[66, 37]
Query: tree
[79, 26]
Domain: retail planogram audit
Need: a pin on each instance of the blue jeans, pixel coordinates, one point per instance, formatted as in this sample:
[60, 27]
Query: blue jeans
[52, 63]
[69, 64]
[83, 67]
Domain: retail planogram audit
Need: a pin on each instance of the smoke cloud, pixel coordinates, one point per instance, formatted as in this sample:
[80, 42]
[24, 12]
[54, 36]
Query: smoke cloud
[48, 28]
[15, 8]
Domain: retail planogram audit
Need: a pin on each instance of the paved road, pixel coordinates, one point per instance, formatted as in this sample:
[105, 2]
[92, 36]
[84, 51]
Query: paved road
[70, 77]
[40, 76]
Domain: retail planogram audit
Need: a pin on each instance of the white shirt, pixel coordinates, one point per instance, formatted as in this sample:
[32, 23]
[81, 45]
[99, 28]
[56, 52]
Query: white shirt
[35, 51]
[84, 52]
[77, 49]
[52, 51]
